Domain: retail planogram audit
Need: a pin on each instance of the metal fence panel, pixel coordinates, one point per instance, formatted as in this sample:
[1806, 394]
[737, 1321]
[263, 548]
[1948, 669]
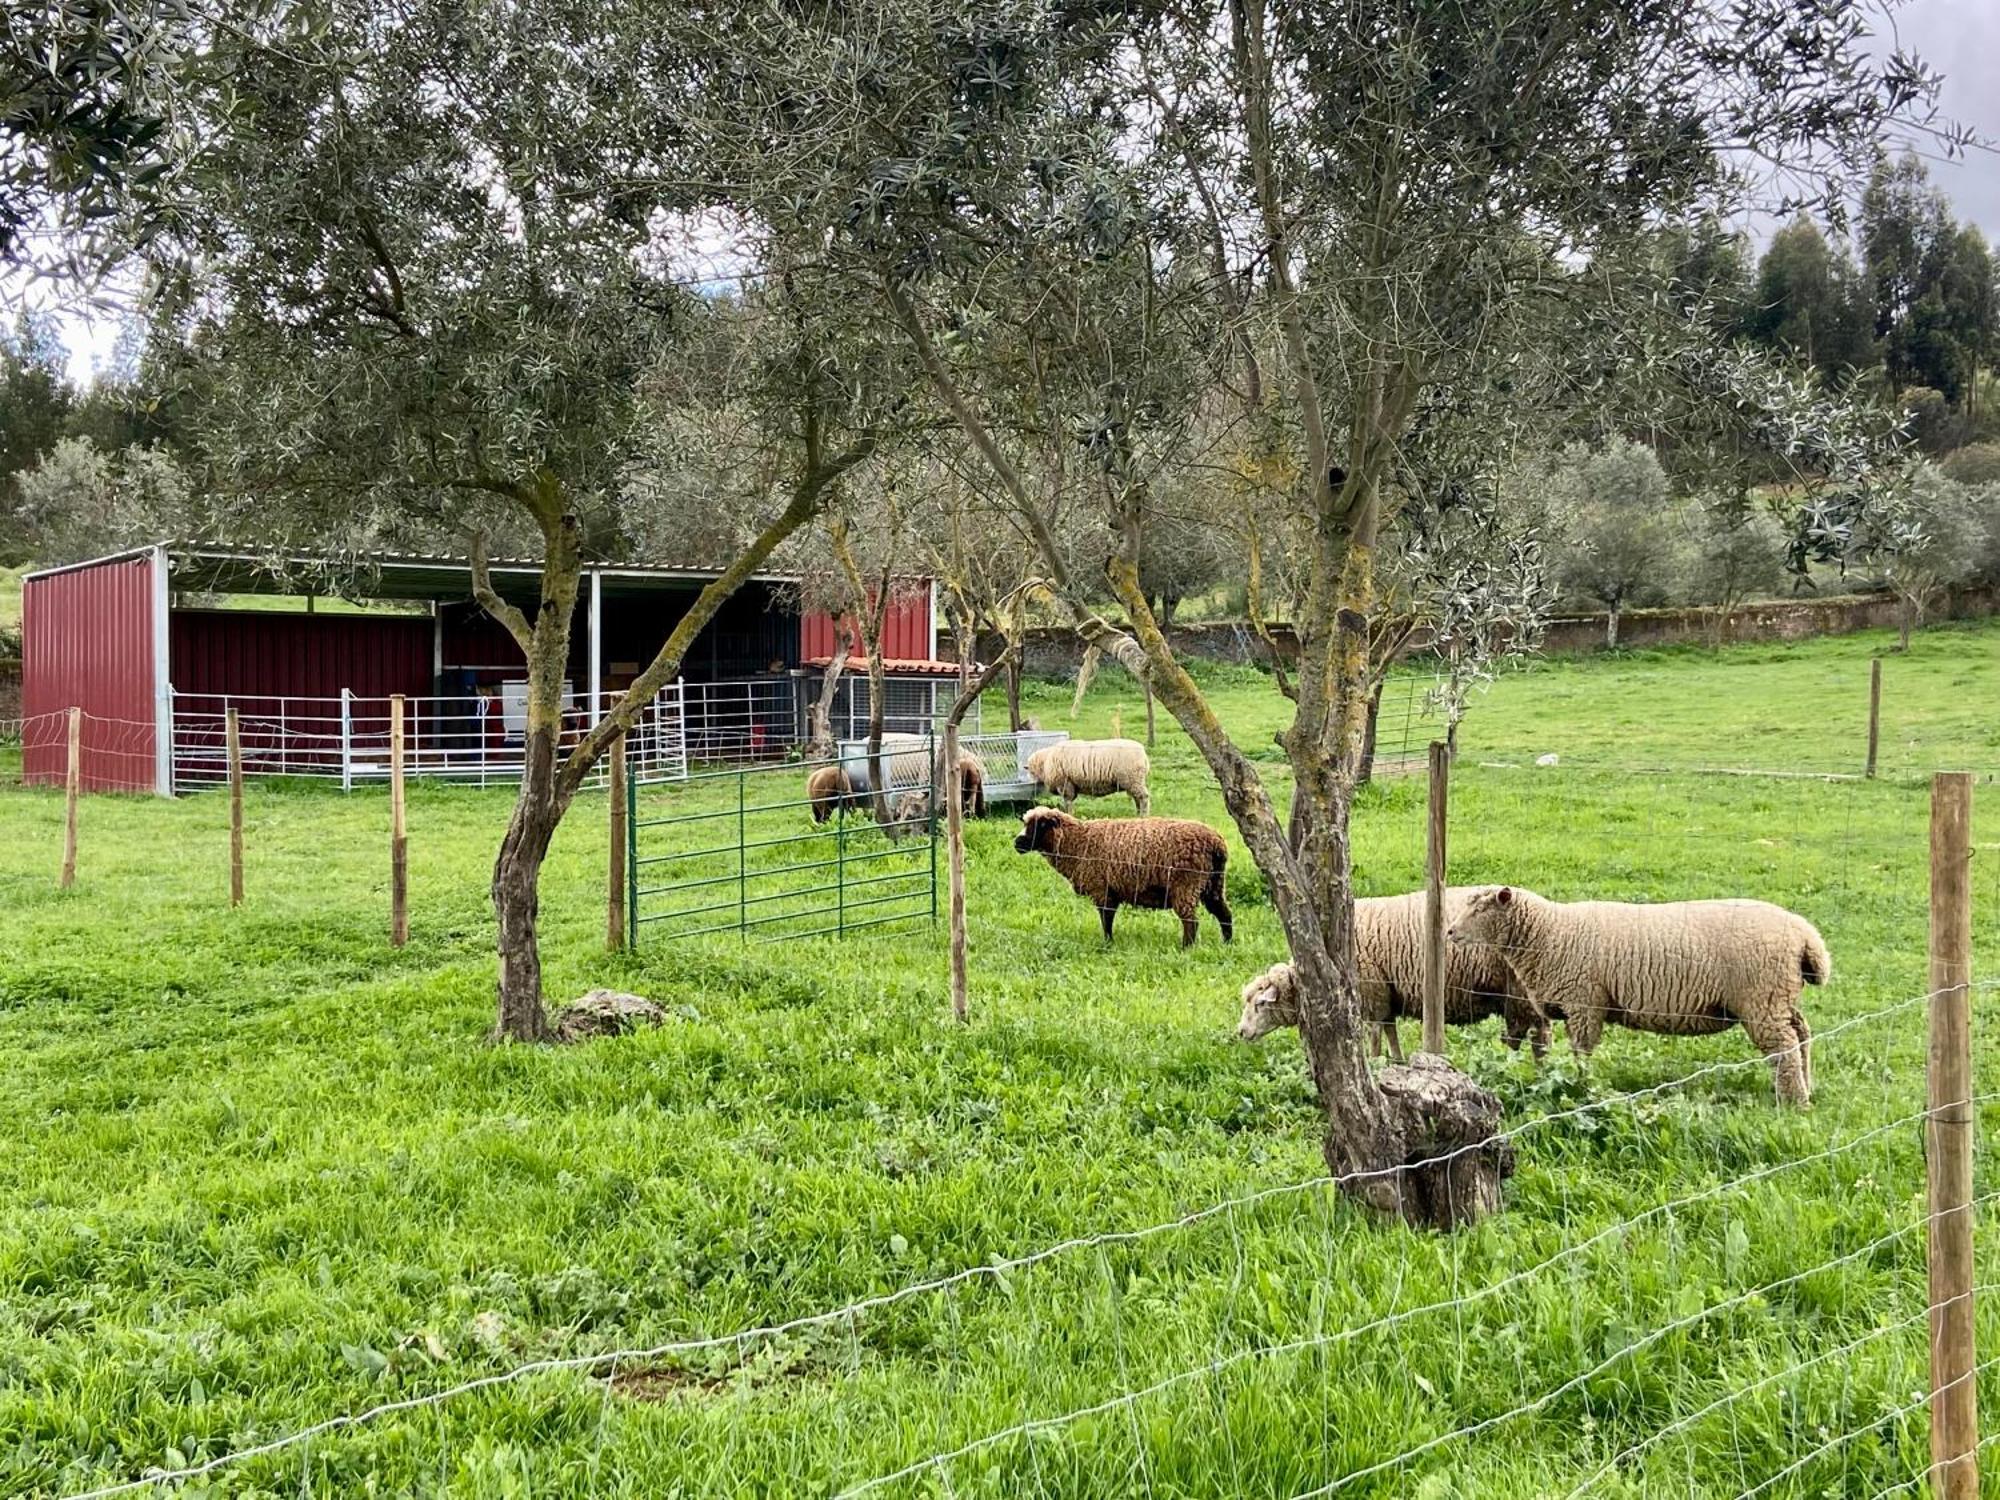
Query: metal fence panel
[739, 850]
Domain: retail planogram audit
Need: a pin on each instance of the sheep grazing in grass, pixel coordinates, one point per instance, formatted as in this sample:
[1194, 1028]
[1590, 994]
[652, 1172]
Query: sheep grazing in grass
[1683, 968]
[828, 789]
[1159, 864]
[1093, 768]
[906, 764]
[1389, 955]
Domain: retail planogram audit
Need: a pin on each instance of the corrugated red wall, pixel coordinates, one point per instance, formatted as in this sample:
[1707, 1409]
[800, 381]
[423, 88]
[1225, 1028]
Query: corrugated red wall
[252, 654]
[87, 642]
[906, 634]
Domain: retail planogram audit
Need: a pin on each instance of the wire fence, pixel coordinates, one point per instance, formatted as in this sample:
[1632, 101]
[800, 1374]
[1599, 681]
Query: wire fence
[1891, 1245]
[953, 1451]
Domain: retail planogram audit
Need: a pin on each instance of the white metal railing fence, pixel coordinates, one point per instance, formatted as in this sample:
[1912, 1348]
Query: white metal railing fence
[478, 741]
[346, 738]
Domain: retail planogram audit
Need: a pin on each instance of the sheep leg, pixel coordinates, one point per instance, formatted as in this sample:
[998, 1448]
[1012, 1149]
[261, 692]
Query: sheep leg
[1772, 1034]
[1804, 1034]
[1386, 1031]
[1068, 795]
[1585, 1020]
[1218, 908]
[1105, 914]
[1188, 927]
[1142, 802]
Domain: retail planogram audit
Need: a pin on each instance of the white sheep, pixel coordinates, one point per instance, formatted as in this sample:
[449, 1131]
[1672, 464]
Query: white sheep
[1684, 968]
[1389, 959]
[1092, 768]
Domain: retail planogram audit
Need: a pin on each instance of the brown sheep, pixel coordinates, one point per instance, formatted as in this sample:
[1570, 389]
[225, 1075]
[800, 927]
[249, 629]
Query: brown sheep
[828, 789]
[1158, 864]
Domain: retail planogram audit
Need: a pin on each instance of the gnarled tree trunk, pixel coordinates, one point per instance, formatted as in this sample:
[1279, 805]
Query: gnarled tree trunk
[819, 717]
[549, 778]
[1364, 772]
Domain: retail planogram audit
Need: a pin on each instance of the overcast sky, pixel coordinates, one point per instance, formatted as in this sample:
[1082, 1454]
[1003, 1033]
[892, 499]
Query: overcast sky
[1959, 38]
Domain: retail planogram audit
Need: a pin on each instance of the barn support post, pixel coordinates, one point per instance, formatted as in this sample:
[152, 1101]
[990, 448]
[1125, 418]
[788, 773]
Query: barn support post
[596, 646]
[347, 739]
[163, 691]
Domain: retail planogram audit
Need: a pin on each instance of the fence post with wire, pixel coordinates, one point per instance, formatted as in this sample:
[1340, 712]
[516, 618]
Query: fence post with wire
[1949, 1143]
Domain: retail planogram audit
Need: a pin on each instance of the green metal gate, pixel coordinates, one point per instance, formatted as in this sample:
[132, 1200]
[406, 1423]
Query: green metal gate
[737, 850]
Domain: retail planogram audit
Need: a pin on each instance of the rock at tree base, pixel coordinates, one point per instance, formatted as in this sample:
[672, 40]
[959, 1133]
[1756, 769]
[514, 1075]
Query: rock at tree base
[1456, 1167]
[605, 1013]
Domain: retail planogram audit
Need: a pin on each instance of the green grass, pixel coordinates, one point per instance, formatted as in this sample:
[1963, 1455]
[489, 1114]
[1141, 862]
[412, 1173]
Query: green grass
[261, 1169]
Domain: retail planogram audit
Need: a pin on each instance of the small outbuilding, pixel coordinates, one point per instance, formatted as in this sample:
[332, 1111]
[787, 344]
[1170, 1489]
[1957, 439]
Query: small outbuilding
[155, 645]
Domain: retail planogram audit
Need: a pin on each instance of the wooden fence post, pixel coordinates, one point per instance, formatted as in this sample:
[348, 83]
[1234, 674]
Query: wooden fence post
[614, 908]
[72, 786]
[954, 839]
[1434, 883]
[1874, 711]
[233, 738]
[399, 832]
[1954, 1396]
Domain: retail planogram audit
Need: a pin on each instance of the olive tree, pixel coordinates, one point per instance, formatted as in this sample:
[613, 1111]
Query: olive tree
[1620, 538]
[1940, 543]
[439, 280]
[1086, 223]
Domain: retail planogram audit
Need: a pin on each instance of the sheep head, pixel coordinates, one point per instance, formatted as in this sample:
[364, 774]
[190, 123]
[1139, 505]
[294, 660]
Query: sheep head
[1270, 1002]
[1488, 917]
[1038, 830]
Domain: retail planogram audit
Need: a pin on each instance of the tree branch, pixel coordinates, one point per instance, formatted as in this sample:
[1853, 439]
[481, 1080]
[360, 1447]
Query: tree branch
[807, 497]
[489, 598]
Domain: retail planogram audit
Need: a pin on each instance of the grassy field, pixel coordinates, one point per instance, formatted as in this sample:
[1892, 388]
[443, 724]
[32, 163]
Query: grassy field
[264, 1170]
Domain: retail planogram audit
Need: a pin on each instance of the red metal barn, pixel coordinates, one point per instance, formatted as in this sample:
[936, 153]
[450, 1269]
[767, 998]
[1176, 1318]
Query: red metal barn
[155, 645]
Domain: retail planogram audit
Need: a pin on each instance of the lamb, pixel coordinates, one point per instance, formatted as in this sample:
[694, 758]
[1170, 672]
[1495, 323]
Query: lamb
[1153, 863]
[1093, 768]
[1682, 968]
[1389, 953]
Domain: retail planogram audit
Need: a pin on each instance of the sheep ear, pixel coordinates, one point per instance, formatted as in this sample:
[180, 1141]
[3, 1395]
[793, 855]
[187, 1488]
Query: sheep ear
[1506, 896]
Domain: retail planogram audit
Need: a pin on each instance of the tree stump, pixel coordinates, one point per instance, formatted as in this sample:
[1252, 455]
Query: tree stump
[1453, 1167]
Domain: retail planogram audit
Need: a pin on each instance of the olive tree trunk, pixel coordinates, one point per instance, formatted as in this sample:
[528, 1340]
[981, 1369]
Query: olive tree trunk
[819, 718]
[549, 778]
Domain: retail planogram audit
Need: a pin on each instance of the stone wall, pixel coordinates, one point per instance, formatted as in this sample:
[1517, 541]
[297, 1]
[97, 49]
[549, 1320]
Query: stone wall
[1056, 652]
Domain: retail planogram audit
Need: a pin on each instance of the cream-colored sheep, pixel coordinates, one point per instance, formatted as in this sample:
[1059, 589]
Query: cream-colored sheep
[1092, 768]
[1685, 968]
[1389, 955]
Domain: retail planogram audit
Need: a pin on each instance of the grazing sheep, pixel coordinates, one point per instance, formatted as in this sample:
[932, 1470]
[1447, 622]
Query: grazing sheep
[1092, 768]
[906, 762]
[828, 789]
[1683, 968]
[1154, 863]
[1389, 954]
